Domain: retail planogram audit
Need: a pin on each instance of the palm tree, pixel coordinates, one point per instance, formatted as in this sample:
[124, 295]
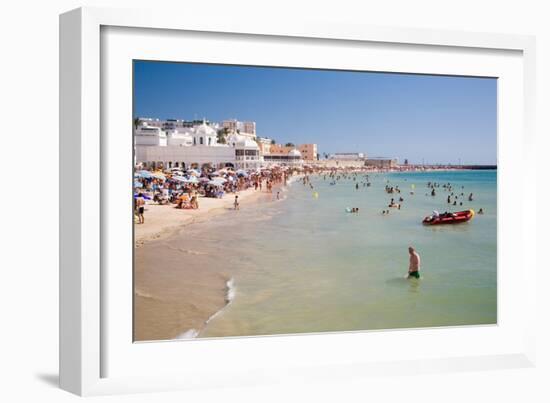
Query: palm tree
[289, 145]
[221, 135]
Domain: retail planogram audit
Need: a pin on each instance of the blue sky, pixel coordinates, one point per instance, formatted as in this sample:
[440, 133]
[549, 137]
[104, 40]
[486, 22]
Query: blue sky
[437, 119]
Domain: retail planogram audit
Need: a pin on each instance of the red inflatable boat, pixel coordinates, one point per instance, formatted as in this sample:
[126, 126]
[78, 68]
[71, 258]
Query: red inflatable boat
[449, 218]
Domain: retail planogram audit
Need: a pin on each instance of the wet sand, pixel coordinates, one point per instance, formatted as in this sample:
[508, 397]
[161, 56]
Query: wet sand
[177, 290]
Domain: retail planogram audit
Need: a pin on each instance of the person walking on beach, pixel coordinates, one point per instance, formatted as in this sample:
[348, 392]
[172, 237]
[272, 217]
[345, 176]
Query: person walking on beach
[140, 207]
[236, 202]
[414, 263]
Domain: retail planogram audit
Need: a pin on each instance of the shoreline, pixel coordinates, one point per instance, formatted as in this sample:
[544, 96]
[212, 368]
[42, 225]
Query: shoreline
[161, 221]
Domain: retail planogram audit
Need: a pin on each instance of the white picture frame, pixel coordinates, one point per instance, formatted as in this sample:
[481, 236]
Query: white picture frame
[88, 349]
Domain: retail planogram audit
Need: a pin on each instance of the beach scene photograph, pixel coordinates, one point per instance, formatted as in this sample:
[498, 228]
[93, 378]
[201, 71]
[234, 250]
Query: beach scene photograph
[278, 200]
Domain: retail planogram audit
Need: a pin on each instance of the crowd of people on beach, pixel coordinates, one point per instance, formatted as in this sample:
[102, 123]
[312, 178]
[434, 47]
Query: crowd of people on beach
[183, 188]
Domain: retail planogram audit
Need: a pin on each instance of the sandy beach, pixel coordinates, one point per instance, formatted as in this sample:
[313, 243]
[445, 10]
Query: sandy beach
[174, 295]
[162, 220]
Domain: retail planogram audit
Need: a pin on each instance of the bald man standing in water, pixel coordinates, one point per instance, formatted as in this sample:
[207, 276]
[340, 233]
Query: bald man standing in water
[414, 263]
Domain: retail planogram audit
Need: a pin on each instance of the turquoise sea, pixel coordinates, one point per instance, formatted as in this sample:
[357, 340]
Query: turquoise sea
[303, 264]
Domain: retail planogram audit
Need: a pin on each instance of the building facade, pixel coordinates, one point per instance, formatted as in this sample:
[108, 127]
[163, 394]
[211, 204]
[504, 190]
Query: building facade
[291, 158]
[175, 143]
[347, 156]
[381, 162]
[245, 128]
[308, 152]
[197, 146]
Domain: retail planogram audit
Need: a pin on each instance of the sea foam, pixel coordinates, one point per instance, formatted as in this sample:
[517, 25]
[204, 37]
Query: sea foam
[189, 334]
[231, 290]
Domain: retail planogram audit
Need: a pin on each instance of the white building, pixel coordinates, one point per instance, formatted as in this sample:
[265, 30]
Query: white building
[196, 146]
[152, 157]
[182, 138]
[347, 156]
[204, 135]
[150, 136]
[247, 154]
[292, 158]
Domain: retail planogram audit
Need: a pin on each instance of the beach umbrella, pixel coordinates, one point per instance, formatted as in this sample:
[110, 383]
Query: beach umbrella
[183, 179]
[158, 175]
[138, 184]
[144, 195]
[194, 172]
[218, 180]
[215, 173]
[214, 183]
[144, 174]
[191, 179]
[203, 179]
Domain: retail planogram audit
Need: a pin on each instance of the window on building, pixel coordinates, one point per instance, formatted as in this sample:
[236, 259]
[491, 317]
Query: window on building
[201, 140]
